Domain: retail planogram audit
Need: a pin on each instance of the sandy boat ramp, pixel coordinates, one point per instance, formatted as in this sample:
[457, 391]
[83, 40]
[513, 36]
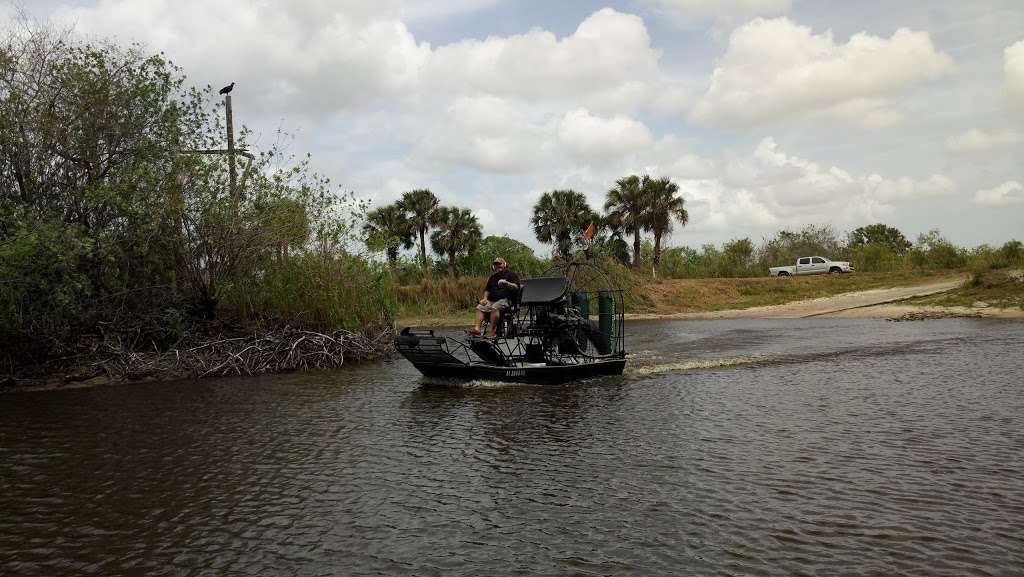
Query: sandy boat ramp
[874, 303]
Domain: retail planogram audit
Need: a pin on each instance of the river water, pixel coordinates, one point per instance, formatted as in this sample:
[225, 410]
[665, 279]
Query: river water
[783, 447]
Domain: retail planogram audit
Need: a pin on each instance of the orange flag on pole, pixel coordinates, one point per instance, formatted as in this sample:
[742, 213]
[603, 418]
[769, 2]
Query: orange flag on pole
[589, 234]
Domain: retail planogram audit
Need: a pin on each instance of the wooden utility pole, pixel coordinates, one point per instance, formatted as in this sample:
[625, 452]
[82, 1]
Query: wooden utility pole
[232, 177]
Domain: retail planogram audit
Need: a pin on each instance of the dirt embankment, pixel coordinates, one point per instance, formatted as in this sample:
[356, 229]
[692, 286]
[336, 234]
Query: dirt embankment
[921, 300]
[849, 303]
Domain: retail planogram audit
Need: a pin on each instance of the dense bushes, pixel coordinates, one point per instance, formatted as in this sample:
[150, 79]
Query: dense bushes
[113, 226]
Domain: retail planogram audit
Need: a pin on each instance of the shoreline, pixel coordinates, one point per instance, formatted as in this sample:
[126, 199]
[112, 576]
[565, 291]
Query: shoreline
[872, 303]
[868, 304]
[884, 303]
[882, 311]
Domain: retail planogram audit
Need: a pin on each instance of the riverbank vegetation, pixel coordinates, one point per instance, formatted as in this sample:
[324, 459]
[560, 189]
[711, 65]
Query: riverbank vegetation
[126, 229]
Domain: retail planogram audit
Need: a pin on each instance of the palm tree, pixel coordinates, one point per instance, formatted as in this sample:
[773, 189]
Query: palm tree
[422, 207]
[457, 231]
[664, 207]
[628, 204]
[388, 228]
[561, 217]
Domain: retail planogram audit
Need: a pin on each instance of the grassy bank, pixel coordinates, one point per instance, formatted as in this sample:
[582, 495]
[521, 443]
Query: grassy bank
[705, 295]
[1000, 288]
[444, 303]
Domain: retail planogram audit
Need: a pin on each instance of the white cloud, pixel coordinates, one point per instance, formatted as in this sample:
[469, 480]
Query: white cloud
[585, 68]
[1013, 72]
[795, 191]
[1008, 193]
[593, 138]
[795, 185]
[908, 189]
[319, 57]
[715, 207]
[1013, 67]
[775, 68]
[864, 113]
[762, 189]
[488, 133]
[689, 12]
[686, 166]
[310, 56]
[980, 141]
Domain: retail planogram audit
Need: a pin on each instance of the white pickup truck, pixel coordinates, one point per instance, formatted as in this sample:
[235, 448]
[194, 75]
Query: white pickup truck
[811, 265]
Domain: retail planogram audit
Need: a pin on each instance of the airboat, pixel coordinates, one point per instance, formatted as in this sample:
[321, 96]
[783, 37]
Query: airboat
[564, 326]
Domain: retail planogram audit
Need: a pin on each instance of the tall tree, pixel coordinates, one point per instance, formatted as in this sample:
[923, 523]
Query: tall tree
[664, 208]
[422, 208]
[629, 205]
[457, 231]
[388, 228]
[560, 217]
[519, 256]
[879, 234]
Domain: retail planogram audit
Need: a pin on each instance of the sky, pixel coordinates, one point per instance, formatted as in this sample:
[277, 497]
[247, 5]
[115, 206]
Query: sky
[768, 114]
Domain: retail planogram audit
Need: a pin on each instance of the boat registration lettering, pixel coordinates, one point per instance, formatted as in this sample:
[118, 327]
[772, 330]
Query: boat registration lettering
[515, 373]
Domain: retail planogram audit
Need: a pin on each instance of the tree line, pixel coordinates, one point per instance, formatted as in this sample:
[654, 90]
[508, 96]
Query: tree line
[634, 206]
[561, 218]
[398, 225]
[873, 248]
[641, 204]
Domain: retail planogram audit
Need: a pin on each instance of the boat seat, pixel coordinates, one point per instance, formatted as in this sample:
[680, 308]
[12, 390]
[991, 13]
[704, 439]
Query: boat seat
[507, 318]
[543, 290]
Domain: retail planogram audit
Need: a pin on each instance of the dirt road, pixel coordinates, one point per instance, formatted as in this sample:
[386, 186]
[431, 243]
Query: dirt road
[853, 304]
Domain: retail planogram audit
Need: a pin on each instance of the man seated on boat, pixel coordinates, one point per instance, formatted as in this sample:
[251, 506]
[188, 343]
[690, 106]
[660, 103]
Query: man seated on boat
[499, 292]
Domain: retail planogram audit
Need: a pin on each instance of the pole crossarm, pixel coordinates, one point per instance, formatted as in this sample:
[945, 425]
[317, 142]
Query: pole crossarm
[238, 151]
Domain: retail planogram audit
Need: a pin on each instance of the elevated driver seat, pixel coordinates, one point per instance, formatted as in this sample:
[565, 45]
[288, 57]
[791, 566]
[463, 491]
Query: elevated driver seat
[506, 319]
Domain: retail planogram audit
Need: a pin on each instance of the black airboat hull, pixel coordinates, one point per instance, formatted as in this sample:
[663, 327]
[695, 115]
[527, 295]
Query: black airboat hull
[544, 338]
[546, 375]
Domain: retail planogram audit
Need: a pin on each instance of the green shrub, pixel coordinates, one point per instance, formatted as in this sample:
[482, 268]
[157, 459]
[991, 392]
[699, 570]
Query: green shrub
[875, 258]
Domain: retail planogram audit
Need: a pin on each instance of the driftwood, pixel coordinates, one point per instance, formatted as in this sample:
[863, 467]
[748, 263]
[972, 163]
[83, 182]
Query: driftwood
[272, 351]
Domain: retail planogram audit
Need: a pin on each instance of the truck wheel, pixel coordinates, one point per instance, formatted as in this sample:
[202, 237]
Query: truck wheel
[783, 273]
[835, 270]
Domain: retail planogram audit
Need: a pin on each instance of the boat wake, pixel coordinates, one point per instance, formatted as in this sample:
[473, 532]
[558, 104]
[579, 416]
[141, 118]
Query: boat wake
[658, 368]
[470, 384]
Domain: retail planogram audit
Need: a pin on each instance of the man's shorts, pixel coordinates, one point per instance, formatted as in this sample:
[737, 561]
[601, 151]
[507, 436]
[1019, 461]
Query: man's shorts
[498, 305]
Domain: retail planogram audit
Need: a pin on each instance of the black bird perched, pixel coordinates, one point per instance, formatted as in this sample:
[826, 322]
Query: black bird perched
[227, 88]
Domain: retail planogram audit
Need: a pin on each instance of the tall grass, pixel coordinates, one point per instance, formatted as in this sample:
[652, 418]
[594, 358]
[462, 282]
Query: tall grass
[340, 291]
[438, 296]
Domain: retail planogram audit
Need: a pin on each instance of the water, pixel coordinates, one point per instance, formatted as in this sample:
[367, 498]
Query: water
[789, 447]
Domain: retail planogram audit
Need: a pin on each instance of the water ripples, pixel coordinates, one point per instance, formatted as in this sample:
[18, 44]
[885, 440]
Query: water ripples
[783, 448]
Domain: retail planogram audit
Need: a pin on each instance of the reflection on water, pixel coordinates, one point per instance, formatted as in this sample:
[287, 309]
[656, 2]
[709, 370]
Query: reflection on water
[733, 447]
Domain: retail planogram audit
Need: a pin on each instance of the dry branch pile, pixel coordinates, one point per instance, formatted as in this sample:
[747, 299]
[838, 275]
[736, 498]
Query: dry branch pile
[281, 350]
